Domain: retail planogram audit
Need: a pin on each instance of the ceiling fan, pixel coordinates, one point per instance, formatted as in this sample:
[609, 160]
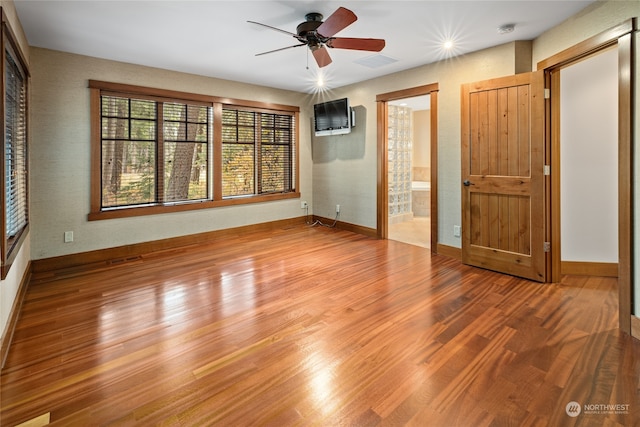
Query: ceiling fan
[319, 35]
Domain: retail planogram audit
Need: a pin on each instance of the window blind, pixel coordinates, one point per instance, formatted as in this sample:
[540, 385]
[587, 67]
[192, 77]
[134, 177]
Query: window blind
[186, 138]
[129, 132]
[153, 152]
[15, 146]
[238, 152]
[276, 158]
[258, 152]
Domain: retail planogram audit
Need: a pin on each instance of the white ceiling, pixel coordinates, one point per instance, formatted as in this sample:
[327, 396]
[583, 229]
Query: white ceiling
[213, 38]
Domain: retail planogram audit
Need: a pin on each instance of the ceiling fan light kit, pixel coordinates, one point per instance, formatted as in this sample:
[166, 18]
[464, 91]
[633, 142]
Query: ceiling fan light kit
[319, 35]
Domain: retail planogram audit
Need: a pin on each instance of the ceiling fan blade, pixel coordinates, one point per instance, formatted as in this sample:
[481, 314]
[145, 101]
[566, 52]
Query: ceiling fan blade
[339, 20]
[274, 28]
[282, 48]
[322, 57]
[373, 45]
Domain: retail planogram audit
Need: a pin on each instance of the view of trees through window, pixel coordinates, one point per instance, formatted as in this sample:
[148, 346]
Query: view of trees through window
[238, 152]
[186, 135]
[128, 151]
[276, 154]
[135, 165]
[160, 151]
[256, 141]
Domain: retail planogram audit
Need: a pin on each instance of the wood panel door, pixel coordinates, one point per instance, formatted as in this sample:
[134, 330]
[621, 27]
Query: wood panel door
[503, 210]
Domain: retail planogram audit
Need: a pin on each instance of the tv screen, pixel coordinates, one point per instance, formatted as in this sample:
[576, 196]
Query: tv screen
[332, 117]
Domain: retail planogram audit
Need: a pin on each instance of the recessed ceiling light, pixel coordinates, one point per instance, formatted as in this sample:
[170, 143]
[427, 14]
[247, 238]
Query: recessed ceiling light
[448, 44]
[506, 29]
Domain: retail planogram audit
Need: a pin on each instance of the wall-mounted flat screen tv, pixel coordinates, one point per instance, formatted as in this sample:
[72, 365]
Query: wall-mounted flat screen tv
[333, 117]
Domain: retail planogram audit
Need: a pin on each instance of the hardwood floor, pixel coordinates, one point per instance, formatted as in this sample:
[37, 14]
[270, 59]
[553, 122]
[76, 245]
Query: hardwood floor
[316, 326]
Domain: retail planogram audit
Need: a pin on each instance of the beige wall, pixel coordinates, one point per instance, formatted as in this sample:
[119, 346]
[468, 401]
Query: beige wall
[60, 154]
[9, 286]
[351, 180]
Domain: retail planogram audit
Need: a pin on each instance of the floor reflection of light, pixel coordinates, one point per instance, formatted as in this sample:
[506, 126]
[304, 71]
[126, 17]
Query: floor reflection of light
[118, 312]
[174, 304]
[238, 288]
[174, 297]
[322, 379]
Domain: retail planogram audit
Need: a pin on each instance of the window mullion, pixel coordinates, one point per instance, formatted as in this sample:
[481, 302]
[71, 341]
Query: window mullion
[290, 153]
[160, 185]
[258, 154]
[217, 151]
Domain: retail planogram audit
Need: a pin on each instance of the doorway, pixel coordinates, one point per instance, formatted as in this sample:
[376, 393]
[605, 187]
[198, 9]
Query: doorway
[382, 214]
[620, 36]
[589, 165]
[409, 170]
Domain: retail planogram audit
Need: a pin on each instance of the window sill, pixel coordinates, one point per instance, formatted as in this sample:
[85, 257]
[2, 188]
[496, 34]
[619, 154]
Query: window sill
[209, 204]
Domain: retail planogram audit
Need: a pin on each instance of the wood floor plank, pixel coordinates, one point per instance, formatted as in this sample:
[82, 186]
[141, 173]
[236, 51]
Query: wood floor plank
[314, 326]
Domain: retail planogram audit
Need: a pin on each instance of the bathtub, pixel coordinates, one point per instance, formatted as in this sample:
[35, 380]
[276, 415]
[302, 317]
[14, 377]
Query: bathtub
[421, 198]
[420, 186]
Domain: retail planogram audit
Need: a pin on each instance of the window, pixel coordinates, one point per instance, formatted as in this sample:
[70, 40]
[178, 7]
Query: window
[14, 153]
[142, 166]
[186, 148]
[238, 152]
[257, 152]
[163, 151]
[128, 151]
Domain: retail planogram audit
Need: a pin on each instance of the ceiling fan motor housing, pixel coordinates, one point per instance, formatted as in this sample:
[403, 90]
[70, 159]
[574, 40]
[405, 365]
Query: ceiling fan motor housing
[313, 16]
[307, 29]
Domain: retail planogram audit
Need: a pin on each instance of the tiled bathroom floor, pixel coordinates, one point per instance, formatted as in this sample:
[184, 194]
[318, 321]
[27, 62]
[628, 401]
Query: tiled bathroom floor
[416, 232]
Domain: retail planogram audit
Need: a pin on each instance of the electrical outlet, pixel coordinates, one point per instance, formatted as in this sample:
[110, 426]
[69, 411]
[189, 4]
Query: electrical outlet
[68, 236]
[303, 205]
[337, 208]
[456, 231]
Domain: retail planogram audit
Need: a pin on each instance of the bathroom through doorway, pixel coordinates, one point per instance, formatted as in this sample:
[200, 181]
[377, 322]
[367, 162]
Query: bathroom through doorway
[409, 170]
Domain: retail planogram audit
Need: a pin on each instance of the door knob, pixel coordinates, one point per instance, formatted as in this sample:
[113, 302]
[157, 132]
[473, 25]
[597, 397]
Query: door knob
[467, 183]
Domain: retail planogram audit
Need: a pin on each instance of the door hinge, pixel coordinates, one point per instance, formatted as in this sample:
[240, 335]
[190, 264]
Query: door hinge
[547, 170]
[547, 93]
[547, 246]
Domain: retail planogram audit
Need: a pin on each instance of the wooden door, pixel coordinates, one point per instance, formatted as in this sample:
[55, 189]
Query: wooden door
[503, 212]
